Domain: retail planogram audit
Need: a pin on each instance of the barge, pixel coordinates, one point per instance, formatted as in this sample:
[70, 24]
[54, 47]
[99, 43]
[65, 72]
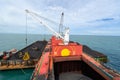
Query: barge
[24, 58]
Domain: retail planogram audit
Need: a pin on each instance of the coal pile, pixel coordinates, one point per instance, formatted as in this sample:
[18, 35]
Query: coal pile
[34, 50]
[92, 53]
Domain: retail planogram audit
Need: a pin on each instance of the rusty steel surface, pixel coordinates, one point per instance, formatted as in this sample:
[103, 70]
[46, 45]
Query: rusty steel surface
[108, 74]
[70, 58]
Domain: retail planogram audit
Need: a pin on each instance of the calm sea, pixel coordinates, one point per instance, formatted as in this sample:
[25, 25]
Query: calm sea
[109, 45]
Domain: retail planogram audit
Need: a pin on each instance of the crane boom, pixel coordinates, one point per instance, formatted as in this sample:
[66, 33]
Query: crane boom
[65, 37]
[61, 24]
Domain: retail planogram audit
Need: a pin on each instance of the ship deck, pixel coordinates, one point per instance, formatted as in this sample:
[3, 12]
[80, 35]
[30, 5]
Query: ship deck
[82, 67]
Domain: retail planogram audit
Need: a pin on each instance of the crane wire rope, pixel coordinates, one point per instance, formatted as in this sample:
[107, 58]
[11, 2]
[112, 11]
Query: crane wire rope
[26, 40]
[26, 35]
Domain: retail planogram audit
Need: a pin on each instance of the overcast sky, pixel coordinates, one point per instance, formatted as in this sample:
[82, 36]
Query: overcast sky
[84, 17]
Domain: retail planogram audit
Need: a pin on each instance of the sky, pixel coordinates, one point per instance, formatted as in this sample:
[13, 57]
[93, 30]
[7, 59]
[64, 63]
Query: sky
[83, 17]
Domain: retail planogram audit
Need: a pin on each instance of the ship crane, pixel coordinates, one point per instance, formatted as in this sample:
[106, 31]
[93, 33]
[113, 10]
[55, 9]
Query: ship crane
[61, 24]
[65, 35]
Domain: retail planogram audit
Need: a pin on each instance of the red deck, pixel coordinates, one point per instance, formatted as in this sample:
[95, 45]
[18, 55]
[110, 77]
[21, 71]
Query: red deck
[71, 52]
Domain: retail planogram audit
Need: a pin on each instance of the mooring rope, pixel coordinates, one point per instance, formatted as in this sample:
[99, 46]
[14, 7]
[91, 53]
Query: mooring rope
[23, 71]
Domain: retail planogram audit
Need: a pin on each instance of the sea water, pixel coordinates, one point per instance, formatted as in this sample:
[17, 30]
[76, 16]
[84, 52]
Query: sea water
[109, 45]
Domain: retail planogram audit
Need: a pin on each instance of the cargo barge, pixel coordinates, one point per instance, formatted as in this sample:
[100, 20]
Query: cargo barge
[24, 58]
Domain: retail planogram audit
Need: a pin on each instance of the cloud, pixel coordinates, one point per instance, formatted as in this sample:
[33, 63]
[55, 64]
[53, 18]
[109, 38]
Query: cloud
[105, 19]
[96, 9]
[56, 8]
[78, 14]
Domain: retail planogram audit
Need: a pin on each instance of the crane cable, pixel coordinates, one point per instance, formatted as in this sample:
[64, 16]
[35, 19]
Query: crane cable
[26, 30]
[25, 41]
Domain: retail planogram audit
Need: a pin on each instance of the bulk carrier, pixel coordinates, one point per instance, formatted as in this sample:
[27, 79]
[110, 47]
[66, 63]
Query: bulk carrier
[59, 59]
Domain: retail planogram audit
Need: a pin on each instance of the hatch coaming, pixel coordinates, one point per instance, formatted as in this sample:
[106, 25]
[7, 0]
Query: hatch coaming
[75, 66]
